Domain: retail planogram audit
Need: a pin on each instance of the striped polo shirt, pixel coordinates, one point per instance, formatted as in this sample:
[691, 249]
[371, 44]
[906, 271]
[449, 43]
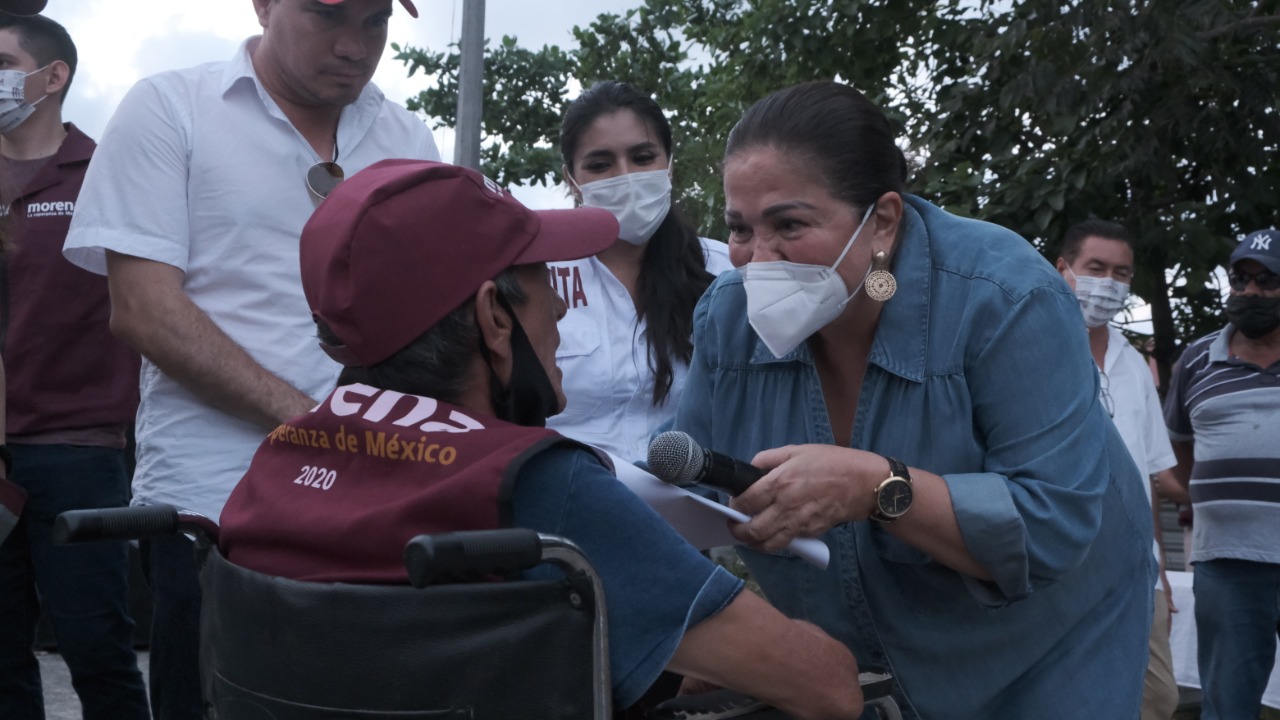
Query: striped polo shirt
[1231, 410]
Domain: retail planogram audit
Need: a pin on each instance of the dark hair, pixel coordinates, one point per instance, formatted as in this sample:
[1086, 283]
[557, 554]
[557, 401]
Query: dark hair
[1093, 227]
[833, 128]
[673, 269]
[437, 362]
[45, 40]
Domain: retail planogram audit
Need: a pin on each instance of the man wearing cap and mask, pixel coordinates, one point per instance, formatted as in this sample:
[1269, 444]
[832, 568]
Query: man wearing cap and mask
[1223, 414]
[72, 390]
[430, 284]
[192, 207]
[1097, 262]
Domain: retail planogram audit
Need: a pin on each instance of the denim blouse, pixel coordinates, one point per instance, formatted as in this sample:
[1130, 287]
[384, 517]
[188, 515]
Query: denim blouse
[978, 373]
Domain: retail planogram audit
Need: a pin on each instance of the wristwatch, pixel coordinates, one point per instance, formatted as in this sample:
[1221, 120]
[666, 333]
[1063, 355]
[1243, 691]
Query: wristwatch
[893, 496]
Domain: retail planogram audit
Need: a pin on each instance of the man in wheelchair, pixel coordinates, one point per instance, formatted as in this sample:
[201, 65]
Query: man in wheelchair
[428, 283]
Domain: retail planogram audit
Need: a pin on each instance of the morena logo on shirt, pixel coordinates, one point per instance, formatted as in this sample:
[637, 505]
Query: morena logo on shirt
[568, 282]
[60, 208]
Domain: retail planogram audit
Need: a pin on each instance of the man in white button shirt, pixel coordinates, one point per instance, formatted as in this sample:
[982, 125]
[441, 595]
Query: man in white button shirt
[193, 207]
[1097, 262]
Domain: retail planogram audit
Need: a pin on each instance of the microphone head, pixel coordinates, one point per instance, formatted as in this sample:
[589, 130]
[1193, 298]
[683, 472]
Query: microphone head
[675, 457]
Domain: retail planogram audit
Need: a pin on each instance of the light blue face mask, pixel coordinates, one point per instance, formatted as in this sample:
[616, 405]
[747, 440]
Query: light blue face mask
[639, 200]
[14, 109]
[1100, 298]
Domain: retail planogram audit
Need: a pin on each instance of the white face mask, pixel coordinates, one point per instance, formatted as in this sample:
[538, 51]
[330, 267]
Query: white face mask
[639, 200]
[1100, 298]
[787, 302]
[14, 110]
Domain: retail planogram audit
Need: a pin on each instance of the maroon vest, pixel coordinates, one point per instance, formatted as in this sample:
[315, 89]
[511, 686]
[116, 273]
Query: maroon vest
[334, 495]
[65, 370]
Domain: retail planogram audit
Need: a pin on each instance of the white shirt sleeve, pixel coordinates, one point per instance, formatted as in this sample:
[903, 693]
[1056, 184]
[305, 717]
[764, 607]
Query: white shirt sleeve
[134, 198]
[1159, 450]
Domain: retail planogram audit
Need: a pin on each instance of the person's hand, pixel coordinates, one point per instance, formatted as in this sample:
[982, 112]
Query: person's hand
[807, 490]
[1167, 589]
[1166, 486]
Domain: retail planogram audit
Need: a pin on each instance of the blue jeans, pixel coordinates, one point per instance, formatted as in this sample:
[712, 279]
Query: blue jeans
[82, 588]
[169, 563]
[1237, 621]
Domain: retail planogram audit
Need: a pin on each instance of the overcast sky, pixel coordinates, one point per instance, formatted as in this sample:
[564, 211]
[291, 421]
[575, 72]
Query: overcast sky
[121, 41]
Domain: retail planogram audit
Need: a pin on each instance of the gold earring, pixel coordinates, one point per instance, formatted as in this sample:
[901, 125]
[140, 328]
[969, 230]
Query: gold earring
[880, 284]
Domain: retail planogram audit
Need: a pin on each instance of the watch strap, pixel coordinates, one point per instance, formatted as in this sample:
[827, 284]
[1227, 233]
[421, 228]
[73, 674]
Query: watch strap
[897, 468]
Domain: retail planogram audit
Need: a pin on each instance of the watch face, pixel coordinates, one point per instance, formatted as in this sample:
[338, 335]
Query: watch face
[895, 497]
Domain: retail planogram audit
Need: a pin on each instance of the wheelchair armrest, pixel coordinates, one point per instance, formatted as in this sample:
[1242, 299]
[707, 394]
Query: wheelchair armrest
[130, 523]
[471, 554]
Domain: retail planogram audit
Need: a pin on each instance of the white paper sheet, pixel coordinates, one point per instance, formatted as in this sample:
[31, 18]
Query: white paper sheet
[699, 520]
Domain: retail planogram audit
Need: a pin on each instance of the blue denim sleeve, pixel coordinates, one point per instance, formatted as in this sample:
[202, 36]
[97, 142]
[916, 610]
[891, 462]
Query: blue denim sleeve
[1032, 514]
[694, 413]
[656, 585]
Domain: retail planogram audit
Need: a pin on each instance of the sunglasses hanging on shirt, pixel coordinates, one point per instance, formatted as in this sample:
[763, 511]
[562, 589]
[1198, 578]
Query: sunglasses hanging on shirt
[325, 175]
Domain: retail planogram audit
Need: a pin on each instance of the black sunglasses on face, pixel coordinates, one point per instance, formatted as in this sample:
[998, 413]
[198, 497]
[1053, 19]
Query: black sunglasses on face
[1264, 279]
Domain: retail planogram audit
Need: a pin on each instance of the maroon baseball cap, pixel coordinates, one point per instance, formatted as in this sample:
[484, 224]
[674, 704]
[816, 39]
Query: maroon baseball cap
[23, 7]
[403, 243]
[408, 6]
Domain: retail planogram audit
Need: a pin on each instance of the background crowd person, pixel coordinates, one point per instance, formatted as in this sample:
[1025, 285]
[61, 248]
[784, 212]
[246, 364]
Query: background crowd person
[72, 393]
[479, 352]
[1097, 262]
[626, 339]
[893, 367]
[1222, 410]
[193, 207]
[12, 497]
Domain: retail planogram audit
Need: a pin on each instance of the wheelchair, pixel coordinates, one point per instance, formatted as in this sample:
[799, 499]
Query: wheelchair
[272, 648]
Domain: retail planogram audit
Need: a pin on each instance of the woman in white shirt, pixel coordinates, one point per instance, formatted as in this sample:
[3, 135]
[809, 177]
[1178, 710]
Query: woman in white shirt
[626, 339]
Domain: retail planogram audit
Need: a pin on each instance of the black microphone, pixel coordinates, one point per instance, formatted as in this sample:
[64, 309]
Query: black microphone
[676, 458]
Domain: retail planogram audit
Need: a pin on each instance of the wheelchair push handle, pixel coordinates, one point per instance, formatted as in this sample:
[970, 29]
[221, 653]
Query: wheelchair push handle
[128, 523]
[471, 555]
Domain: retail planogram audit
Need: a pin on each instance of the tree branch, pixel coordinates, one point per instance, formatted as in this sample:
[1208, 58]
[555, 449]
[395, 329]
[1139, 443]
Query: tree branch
[1247, 23]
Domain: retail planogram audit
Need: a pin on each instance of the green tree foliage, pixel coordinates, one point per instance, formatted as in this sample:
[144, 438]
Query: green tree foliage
[1159, 115]
[1033, 114]
[704, 60]
[529, 86]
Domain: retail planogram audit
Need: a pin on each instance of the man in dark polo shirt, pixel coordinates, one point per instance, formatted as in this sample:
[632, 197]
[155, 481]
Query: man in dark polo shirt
[72, 392]
[1223, 413]
[429, 284]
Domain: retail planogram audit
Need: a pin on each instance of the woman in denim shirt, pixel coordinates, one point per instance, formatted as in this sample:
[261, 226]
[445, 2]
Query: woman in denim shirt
[1012, 577]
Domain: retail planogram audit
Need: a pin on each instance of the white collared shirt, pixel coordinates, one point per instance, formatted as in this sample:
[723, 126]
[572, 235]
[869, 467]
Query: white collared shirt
[604, 356]
[1138, 416]
[200, 169]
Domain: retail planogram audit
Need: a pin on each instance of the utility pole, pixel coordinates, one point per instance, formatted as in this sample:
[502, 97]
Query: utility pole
[466, 149]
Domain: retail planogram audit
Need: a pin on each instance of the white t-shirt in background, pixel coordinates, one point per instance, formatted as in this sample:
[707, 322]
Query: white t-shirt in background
[605, 359]
[1138, 416]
